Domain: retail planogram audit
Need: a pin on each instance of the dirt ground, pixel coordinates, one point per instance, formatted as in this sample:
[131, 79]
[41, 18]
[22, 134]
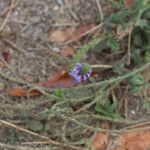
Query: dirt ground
[27, 53]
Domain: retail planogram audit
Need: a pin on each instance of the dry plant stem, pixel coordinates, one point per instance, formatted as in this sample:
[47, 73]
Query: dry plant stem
[15, 46]
[23, 130]
[99, 129]
[126, 107]
[115, 80]
[146, 123]
[18, 147]
[124, 121]
[100, 10]
[102, 66]
[49, 141]
[7, 16]
[5, 11]
[64, 24]
[71, 11]
[123, 34]
[129, 48]
[126, 103]
[88, 32]
[13, 147]
[9, 67]
[85, 107]
[113, 95]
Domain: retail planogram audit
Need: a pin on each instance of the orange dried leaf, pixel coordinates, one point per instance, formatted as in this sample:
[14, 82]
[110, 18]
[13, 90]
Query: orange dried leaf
[59, 80]
[70, 34]
[17, 91]
[79, 32]
[100, 141]
[33, 93]
[129, 3]
[60, 36]
[133, 141]
[21, 92]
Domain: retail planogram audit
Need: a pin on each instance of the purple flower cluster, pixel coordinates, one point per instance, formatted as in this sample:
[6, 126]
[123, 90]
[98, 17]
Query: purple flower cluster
[76, 73]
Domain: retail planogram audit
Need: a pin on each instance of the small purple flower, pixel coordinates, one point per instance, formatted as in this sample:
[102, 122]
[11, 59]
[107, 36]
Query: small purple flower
[79, 75]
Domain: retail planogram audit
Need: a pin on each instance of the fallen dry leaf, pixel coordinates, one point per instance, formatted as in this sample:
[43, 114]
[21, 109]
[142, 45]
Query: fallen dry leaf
[21, 92]
[60, 36]
[79, 32]
[7, 56]
[133, 141]
[129, 3]
[101, 141]
[59, 80]
[70, 34]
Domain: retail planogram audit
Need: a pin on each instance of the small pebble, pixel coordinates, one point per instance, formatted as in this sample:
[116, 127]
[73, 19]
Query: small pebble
[56, 7]
[133, 112]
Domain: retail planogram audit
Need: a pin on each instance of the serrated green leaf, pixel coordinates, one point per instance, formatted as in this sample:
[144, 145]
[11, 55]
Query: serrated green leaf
[135, 90]
[116, 18]
[100, 46]
[118, 68]
[143, 23]
[113, 107]
[138, 40]
[113, 44]
[136, 80]
[146, 14]
[35, 125]
[136, 56]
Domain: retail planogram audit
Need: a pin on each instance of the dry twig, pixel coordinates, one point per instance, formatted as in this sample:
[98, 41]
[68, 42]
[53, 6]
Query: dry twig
[7, 16]
[100, 10]
[49, 141]
[129, 48]
[102, 66]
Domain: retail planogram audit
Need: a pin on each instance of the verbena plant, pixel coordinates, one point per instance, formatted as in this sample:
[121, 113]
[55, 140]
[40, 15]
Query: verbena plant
[138, 18]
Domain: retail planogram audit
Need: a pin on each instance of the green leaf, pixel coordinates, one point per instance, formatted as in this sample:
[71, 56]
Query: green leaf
[113, 107]
[135, 90]
[115, 4]
[138, 4]
[147, 56]
[100, 46]
[59, 93]
[116, 18]
[105, 112]
[136, 80]
[13, 136]
[143, 23]
[146, 14]
[35, 125]
[113, 44]
[138, 41]
[118, 68]
[136, 56]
